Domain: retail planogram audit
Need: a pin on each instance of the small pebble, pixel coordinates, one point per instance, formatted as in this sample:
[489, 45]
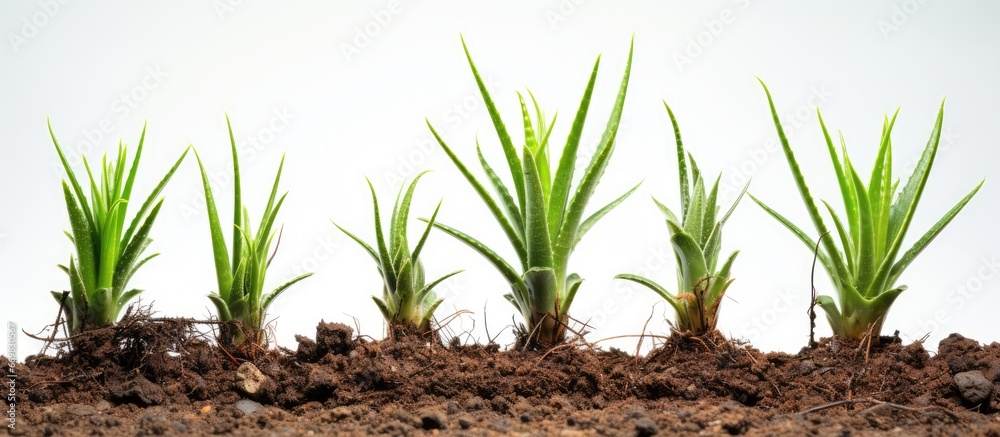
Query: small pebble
[646, 427]
[81, 410]
[248, 407]
[464, 423]
[500, 425]
[249, 379]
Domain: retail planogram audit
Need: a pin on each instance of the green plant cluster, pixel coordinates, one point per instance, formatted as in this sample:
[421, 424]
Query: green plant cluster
[541, 208]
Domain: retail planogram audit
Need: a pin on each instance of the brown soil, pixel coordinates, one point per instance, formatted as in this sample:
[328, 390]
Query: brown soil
[150, 377]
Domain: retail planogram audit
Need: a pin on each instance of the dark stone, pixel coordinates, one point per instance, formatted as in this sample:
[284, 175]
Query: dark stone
[464, 423]
[645, 427]
[973, 386]
[139, 391]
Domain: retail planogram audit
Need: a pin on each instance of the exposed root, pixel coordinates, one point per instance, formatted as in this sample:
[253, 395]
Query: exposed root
[812, 303]
[711, 342]
[879, 403]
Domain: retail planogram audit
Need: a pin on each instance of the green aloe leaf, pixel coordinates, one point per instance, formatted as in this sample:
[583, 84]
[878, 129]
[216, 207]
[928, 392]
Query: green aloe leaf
[77, 189]
[388, 269]
[508, 146]
[692, 266]
[425, 320]
[805, 239]
[846, 186]
[597, 216]
[573, 283]
[657, 288]
[220, 252]
[281, 289]
[835, 260]
[84, 240]
[427, 231]
[845, 240]
[270, 211]
[538, 281]
[567, 163]
[498, 262]
[866, 260]
[424, 292]
[362, 243]
[510, 206]
[899, 218]
[387, 313]
[539, 242]
[833, 314]
[153, 195]
[682, 170]
[134, 249]
[921, 244]
[719, 282]
[588, 183]
[512, 235]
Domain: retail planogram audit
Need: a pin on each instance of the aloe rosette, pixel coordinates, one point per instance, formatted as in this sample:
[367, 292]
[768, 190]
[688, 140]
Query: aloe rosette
[696, 238]
[407, 303]
[867, 265]
[543, 216]
[240, 301]
[106, 258]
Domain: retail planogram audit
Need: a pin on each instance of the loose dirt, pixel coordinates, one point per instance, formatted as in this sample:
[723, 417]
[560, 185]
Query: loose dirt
[159, 377]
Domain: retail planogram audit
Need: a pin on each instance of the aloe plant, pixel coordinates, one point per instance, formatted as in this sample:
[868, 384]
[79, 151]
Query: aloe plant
[105, 258]
[543, 218]
[407, 302]
[240, 301]
[696, 238]
[866, 267]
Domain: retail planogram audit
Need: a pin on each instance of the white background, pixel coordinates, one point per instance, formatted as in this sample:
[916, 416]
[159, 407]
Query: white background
[344, 87]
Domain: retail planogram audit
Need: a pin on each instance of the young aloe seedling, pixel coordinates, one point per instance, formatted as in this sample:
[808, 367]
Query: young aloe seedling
[105, 258]
[240, 301]
[865, 268]
[407, 303]
[543, 218]
[696, 238]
